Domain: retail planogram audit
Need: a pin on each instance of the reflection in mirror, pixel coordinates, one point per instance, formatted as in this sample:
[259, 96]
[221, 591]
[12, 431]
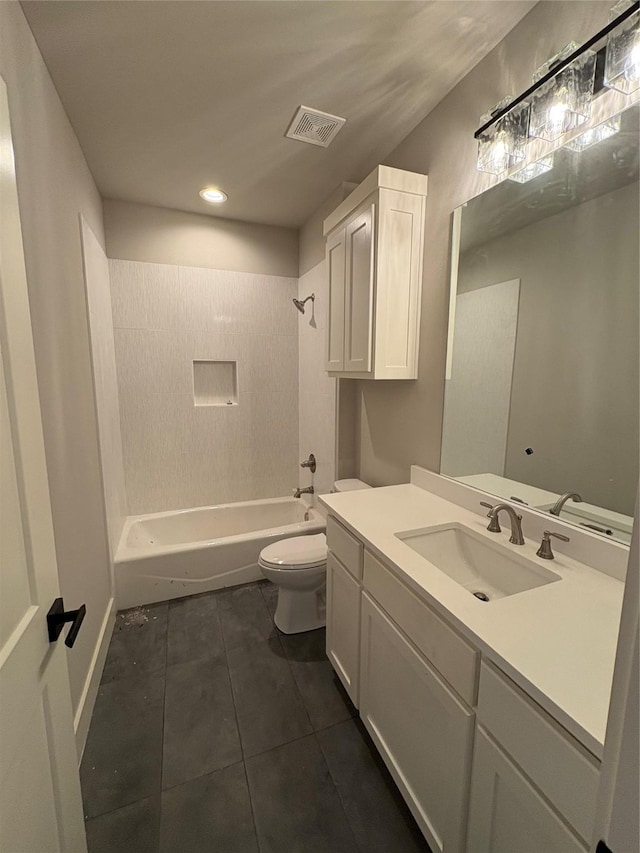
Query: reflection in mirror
[541, 396]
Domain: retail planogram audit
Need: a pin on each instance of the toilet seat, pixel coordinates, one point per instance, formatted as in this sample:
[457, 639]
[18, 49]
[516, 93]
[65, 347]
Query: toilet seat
[297, 553]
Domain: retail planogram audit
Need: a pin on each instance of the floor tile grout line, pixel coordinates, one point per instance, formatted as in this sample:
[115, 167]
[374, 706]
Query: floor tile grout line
[339, 795]
[202, 775]
[164, 707]
[242, 753]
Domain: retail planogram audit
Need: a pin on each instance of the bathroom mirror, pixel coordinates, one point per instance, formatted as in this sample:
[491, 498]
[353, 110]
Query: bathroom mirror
[541, 394]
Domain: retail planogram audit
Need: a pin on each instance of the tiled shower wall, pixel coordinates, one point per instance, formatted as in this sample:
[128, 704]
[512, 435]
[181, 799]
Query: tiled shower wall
[317, 390]
[179, 455]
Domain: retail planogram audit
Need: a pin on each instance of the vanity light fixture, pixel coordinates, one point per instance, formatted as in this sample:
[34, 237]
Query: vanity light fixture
[560, 97]
[533, 170]
[622, 66]
[597, 134]
[502, 144]
[563, 102]
[213, 195]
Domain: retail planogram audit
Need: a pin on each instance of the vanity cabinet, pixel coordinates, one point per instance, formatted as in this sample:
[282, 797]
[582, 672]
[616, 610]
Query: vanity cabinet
[343, 625]
[507, 814]
[422, 730]
[374, 263]
[344, 576]
[532, 782]
[483, 768]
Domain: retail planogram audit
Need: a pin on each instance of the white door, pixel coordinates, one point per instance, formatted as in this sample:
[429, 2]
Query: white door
[359, 285]
[40, 802]
[422, 730]
[335, 272]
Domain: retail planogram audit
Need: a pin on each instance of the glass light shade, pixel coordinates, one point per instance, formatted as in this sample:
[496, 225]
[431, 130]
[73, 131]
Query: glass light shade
[597, 134]
[622, 65]
[533, 170]
[564, 101]
[502, 144]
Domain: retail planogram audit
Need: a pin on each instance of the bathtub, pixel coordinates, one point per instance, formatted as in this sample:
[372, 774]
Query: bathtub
[173, 554]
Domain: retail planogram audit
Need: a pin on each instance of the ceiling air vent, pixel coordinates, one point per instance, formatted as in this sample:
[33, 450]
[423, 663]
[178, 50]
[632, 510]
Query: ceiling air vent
[314, 126]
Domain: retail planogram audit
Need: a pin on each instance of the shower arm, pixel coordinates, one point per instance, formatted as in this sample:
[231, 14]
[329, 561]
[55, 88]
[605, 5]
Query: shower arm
[300, 303]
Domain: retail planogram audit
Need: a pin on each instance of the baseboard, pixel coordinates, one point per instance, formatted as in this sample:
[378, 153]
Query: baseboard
[89, 694]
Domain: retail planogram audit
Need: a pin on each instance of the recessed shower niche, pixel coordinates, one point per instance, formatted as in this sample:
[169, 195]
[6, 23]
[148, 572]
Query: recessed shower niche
[215, 383]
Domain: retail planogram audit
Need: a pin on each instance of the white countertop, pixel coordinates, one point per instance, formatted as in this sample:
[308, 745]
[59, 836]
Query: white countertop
[558, 641]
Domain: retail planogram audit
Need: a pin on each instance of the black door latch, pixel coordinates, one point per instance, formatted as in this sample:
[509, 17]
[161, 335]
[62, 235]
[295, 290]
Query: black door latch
[56, 618]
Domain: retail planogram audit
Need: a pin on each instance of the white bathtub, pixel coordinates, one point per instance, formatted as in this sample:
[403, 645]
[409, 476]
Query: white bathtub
[173, 554]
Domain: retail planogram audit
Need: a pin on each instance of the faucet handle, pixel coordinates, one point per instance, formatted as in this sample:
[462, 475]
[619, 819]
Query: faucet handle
[545, 550]
[494, 524]
[488, 506]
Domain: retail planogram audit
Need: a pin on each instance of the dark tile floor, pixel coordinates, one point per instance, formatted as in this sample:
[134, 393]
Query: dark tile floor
[215, 732]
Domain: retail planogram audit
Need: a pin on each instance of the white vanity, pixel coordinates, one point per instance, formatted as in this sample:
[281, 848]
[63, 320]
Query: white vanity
[490, 715]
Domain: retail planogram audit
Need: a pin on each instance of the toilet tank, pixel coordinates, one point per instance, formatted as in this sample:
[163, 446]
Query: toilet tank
[350, 485]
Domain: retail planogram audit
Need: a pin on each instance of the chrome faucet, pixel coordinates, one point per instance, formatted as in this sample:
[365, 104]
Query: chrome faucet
[299, 491]
[557, 507]
[516, 537]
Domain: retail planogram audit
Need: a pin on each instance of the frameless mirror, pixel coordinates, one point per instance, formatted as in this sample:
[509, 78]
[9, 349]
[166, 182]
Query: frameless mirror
[541, 396]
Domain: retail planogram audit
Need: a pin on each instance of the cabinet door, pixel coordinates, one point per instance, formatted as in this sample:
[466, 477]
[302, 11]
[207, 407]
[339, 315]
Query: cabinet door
[398, 284]
[507, 814]
[423, 732]
[335, 257]
[343, 625]
[359, 292]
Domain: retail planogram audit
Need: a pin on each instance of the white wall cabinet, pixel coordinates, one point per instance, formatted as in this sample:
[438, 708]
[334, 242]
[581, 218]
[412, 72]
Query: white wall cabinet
[374, 262]
[507, 814]
[343, 625]
[422, 730]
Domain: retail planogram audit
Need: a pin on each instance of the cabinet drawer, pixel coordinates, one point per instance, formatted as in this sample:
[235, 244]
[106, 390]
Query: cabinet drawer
[346, 547]
[554, 761]
[452, 656]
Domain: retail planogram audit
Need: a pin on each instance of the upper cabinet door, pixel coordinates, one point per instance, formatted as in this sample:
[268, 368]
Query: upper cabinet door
[398, 284]
[359, 285]
[335, 255]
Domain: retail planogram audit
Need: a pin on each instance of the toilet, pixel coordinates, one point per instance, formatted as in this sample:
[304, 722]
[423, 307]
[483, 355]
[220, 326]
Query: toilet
[298, 566]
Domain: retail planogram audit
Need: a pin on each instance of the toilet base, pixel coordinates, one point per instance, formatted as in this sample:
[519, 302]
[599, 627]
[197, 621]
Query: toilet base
[300, 610]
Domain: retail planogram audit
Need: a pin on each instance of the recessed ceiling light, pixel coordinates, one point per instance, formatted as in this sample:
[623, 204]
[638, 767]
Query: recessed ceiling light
[213, 195]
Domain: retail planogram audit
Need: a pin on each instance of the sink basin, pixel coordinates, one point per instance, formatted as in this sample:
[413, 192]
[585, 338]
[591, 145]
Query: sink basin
[486, 569]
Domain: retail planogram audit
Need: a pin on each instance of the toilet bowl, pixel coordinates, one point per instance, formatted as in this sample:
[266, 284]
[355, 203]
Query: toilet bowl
[298, 566]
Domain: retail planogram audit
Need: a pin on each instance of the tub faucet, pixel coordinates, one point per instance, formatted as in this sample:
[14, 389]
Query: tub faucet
[299, 491]
[516, 537]
[557, 507]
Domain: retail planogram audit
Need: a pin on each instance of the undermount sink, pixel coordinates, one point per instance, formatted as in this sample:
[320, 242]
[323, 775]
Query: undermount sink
[486, 569]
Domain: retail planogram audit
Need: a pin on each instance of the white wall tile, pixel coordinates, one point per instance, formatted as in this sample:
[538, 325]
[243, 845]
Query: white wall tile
[177, 454]
[103, 358]
[317, 391]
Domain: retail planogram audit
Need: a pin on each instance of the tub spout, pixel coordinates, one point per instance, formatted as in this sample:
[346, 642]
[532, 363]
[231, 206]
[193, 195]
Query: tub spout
[299, 491]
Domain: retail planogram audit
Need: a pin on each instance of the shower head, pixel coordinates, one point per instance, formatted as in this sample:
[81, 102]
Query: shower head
[300, 303]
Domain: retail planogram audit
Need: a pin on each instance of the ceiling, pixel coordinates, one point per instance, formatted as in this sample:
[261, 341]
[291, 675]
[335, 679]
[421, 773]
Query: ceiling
[169, 97]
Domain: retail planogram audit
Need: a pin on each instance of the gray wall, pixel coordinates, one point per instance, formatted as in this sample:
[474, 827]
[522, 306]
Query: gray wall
[575, 379]
[54, 186]
[139, 232]
[400, 422]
